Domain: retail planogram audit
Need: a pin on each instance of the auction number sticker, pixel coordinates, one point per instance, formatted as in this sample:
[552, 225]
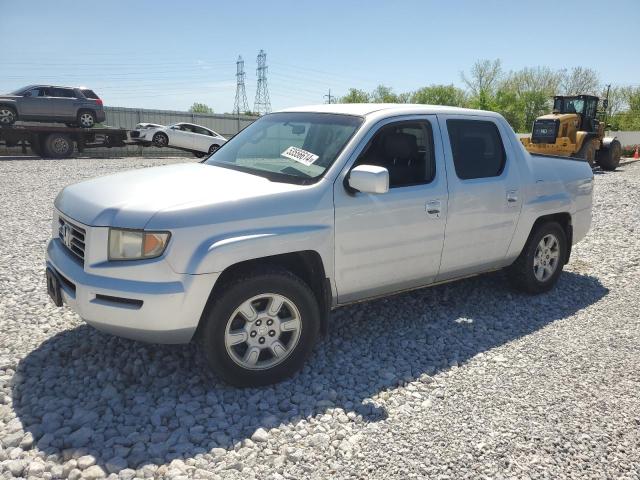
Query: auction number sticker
[300, 155]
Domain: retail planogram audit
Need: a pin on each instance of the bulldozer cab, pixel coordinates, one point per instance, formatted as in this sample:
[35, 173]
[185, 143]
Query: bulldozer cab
[584, 105]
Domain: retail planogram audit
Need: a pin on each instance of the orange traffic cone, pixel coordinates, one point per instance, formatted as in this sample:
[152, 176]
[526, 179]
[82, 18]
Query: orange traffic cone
[635, 154]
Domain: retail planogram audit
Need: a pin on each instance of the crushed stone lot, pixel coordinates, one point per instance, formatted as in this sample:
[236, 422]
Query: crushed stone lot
[464, 380]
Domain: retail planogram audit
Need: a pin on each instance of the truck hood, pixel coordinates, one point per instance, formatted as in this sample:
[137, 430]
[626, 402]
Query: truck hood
[131, 199]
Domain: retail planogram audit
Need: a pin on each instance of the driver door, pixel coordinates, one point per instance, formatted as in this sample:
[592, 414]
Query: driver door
[392, 241]
[36, 103]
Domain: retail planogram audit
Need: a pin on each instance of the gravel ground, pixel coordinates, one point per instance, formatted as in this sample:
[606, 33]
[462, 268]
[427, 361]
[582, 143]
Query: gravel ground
[466, 380]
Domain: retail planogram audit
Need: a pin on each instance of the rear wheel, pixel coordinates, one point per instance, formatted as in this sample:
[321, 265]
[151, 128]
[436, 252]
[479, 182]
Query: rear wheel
[58, 145]
[8, 115]
[588, 152]
[540, 263]
[609, 158]
[160, 139]
[198, 154]
[213, 148]
[86, 118]
[261, 328]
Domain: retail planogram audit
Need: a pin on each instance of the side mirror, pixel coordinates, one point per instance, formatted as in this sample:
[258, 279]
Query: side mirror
[369, 179]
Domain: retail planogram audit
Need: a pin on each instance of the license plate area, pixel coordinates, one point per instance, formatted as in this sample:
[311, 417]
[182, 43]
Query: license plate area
[53, 287]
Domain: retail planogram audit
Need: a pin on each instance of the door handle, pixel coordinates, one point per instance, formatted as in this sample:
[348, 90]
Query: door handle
[512, 196]
[434, 208]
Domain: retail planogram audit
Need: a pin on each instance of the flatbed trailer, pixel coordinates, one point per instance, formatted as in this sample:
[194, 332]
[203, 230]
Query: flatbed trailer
[59, 141]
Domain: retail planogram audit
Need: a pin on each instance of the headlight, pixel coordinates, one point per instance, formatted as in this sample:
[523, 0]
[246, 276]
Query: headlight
[136, 244]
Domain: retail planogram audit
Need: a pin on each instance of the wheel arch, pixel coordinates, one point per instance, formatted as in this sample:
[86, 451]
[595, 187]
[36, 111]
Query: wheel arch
[564, 219]
[305, 264]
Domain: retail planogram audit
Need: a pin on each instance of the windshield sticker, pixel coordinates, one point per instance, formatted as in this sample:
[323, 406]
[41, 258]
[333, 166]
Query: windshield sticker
[300, 155]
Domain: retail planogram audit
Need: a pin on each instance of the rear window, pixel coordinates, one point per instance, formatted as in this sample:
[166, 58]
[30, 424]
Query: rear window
[89, 94]
[477, 148]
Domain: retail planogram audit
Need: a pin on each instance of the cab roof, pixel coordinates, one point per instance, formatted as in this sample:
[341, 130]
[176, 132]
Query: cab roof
[365, 109]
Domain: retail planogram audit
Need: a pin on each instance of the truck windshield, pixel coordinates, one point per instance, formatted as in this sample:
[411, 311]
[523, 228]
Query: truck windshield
[294, 147]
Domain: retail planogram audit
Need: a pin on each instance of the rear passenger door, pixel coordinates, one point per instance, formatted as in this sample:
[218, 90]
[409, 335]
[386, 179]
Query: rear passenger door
[392, 241]
[202, 138]
[63, 103]
[484, 196]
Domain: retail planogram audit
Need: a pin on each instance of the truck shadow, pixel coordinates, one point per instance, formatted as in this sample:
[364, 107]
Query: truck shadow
[86, 392]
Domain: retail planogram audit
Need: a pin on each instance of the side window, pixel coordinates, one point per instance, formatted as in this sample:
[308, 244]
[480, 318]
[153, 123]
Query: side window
[201, 131]
[406, 150]
[477, 148]
[36, 92]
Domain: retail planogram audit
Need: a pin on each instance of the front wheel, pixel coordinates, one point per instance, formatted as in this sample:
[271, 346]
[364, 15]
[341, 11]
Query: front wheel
[540, 263]
[261, 328]
[8, 115]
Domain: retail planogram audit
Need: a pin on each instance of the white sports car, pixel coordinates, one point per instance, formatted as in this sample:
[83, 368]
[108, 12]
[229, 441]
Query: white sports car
[185, 136]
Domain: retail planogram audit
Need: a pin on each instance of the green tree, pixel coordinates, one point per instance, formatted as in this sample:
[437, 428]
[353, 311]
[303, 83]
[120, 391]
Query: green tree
[383, 94]
[482, 82]
[440, 95]
[580, 81]
[200, 108]
[355, 96]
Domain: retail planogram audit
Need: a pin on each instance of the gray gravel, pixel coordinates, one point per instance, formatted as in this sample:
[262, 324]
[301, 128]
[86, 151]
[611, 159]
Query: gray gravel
[466, 380]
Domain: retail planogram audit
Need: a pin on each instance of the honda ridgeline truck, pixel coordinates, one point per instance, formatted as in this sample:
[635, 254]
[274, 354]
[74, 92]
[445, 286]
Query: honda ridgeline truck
[306, 210]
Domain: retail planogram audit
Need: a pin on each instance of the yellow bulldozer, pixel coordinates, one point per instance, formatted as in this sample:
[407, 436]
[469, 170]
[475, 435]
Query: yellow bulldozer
[575, 129]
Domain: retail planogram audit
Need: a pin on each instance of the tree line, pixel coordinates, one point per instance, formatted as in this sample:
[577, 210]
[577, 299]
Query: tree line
[520, 96]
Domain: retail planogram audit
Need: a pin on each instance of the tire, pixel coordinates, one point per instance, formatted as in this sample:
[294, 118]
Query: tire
[58, 145]
[8, 115]
[293, 339]
[609, 158]
[213, 148]
[588, 152]
[525, 275]
[160, 139]
[86, 118]
[198, 154]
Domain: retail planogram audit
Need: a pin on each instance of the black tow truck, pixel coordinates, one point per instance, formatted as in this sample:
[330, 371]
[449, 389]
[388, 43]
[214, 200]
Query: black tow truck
[59, 141]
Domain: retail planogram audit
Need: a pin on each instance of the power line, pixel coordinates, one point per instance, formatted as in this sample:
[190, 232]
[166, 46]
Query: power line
[240, 104]
[262, 103]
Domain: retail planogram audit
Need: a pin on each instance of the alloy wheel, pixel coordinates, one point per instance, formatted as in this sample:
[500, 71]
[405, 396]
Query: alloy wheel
[263, 331]
[7, 117]
[86, 120]
[546, 257]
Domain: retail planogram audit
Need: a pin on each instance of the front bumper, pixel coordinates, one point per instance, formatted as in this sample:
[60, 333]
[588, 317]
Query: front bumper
[160, 309]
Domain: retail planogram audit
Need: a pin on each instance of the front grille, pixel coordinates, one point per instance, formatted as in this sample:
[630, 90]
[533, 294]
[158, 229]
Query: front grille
[72, 236]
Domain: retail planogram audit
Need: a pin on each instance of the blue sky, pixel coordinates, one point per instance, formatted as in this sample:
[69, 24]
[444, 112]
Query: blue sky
[168, 54]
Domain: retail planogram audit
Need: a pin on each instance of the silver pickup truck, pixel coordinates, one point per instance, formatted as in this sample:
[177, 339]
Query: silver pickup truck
[304, 211]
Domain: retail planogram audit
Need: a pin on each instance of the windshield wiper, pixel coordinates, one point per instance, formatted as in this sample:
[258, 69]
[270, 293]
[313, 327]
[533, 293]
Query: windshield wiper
[271, 176]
